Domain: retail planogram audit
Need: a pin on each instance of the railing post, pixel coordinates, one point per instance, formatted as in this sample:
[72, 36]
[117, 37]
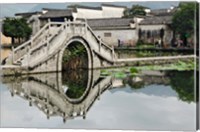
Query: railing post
[12, 54]
[99, 92]
[65, 25]
[113, 53]
[85, 28]
[99, 44]
[29, 54]
[73, 28]
[47, 49]
[49, 22]
[31, 44]
[68, 21]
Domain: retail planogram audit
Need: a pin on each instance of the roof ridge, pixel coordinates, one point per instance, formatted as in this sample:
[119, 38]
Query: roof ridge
[112, 5]
[55, 9]
[108, 18]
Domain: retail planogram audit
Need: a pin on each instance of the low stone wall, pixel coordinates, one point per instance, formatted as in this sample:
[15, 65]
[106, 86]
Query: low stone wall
[152, 62]
[6, 71]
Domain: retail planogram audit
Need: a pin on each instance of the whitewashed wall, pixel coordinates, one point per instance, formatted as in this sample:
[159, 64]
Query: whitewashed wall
[89, 13]
[152, 27]
[111, 12]
[168, 32]
[128, 36]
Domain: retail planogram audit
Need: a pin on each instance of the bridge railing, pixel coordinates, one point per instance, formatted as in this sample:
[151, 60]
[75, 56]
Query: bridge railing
[37, 39]
[101, 43]
[46, 44]
[49, 31]
[102, 46]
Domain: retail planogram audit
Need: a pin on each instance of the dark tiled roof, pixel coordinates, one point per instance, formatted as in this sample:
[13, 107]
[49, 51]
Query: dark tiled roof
[109, 22]
[110, 5]
[27, 13]
[153, 20]
[160, 12]
[57, 13]
[52, 9]
[85, 7]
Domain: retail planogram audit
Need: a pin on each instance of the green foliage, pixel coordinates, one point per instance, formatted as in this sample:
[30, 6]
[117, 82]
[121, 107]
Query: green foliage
[145, 54]
[142, 45]
[183, 83]
[183, 20]
[134, 11]
[75, 90]
[133, 70]
[120, 75]
[180, 66]
[16, 28]
[76, 81]
[75, 50]
[105, 72]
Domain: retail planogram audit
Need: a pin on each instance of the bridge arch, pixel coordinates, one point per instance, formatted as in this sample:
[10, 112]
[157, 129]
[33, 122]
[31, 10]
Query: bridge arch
[70, 41]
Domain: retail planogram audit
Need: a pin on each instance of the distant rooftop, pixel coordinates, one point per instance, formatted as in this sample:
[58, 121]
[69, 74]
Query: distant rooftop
[153, 20]
[110, 22]
[52, 9]
[162, 12]
[84, 7]
[54, 13]
[27, 13]
[111, 5]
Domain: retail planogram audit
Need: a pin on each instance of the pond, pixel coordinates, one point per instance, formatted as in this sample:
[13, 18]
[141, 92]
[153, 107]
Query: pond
[149, 100]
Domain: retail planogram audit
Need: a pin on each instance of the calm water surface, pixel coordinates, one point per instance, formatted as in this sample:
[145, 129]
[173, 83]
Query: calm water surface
[85, 99]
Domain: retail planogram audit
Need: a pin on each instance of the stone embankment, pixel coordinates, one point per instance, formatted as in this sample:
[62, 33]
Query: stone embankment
[17, 70]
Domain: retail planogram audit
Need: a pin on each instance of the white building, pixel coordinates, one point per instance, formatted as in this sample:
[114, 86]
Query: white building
[105, 11]
[112, 11]
[151, 27]
[86, 12]
[115, 31]
[107, 22]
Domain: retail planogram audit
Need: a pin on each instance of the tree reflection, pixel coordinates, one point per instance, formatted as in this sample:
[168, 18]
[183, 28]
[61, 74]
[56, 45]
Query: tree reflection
[76, 82]
[183, 83]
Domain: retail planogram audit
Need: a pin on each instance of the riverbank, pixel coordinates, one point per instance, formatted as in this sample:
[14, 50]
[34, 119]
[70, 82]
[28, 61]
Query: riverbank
[9, 70]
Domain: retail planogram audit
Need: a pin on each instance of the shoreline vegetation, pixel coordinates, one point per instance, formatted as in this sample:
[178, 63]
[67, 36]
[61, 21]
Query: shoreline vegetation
[136, 70]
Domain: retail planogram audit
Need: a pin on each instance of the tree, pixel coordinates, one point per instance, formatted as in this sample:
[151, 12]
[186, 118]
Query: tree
[183, 21]
[134, 11]
[16, 28]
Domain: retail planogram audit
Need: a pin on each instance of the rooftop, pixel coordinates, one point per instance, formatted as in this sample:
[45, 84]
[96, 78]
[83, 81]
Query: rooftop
[84, 7]
[27, 13]
[153, 20]
[110, 5]
[52, 9]
[57, 13]
[161, 12]
[110, 22]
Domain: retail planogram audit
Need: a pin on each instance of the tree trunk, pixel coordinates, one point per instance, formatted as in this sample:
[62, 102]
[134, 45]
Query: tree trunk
[19, 40]
[185, 41]
[13, 40]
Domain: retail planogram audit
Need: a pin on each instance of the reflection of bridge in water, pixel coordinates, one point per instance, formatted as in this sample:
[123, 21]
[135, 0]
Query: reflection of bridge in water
[72, 94]
[47, 92]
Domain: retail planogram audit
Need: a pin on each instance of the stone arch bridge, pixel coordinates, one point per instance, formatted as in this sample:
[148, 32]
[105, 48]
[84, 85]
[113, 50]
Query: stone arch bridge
[44, 51]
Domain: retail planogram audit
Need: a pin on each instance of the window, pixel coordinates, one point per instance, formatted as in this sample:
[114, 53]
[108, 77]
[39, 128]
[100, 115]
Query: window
[107, 34]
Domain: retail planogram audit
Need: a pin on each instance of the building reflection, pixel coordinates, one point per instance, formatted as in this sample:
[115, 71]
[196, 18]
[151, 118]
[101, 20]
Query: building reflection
[68, 95]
